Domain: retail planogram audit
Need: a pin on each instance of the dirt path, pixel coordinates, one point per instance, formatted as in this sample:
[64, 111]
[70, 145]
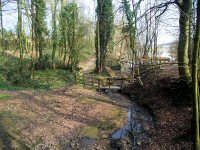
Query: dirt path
[88, 66]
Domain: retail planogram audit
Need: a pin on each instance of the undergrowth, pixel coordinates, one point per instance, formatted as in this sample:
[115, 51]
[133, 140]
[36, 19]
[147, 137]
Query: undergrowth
[47, 79]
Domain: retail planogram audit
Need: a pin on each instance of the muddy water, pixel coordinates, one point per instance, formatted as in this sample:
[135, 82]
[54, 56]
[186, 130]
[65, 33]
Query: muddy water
[136, 129]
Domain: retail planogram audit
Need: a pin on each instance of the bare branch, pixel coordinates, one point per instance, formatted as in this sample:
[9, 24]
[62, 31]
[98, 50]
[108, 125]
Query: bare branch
[178, 3]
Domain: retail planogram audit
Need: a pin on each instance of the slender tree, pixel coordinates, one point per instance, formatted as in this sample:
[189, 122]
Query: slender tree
[156, 25]
[1, 18]
[195, 85]
[20, 33]
[40, 26]
[185, 9]
[54, 29]
[62, 32]
[32, 37]
[131, 28]
[71, 30]
[104, 32]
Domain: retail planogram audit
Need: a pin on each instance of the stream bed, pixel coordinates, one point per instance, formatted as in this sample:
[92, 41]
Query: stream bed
[136, 129]
[130, 136]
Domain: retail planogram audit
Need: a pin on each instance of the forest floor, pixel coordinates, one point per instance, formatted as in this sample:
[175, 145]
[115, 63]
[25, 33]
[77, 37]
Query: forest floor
[59, 119]
[71, 117]
[75, 116]
[169, 101]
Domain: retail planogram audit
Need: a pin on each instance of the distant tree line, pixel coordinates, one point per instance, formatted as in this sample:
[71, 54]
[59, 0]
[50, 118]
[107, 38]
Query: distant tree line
[57, 47]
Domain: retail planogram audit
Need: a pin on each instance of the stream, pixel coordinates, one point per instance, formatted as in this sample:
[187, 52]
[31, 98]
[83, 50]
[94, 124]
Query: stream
[130, 136]
[136, 128]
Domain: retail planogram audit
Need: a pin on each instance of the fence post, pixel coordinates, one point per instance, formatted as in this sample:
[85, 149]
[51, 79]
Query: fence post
[109, 82]
[99, 85]
[122, 83]
[92, 81]
[160, 64]
[155, 69]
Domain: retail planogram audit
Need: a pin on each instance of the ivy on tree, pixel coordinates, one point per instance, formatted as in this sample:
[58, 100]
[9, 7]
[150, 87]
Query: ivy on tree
[104, 32]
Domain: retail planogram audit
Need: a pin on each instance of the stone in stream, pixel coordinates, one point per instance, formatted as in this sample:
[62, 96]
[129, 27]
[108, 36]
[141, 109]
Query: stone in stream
[138, 129]
[123, 132]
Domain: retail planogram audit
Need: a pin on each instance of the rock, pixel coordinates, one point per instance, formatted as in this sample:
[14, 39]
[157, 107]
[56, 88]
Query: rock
[139, 128]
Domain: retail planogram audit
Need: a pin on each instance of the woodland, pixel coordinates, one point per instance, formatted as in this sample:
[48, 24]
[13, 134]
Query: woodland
[99, 74]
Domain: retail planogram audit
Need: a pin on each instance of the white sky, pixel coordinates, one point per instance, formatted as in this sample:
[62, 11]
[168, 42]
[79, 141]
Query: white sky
[168, 29]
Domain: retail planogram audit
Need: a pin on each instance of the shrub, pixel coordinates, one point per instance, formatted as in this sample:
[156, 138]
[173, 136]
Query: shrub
[11, 72]
[44, 63]
[79, 77]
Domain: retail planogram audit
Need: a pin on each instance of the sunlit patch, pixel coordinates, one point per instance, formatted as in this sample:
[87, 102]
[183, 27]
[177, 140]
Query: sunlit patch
[5, 97]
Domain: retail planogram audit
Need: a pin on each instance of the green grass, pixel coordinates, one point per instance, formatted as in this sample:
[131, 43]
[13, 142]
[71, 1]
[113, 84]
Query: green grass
[85, 100]
[52, 79]
[106, 125]
[5, 97]
[44, 80]
[5, 85]
[90, 131]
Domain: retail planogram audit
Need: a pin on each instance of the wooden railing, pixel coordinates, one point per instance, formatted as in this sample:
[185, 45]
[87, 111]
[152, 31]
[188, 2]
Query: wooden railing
[110, 82]
[119, 82]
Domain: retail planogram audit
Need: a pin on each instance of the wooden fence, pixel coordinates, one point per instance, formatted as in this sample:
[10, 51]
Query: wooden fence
[110, 83]
[119, 82]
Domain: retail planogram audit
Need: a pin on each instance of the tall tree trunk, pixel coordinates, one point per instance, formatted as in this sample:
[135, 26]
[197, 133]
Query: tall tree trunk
[2, 33]
[190, 42]
[63, 38]
[33, 38]
[40, 48]
[19, 31]
[195, 85]
[184, 71]
[145, 55]
[97, 39]
[104, 30]
[97, 47]
[61, 24]
[54, 36]
[156, 33]
[41, 28]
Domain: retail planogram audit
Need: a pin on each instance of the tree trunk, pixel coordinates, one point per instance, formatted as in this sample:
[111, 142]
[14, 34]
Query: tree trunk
[104, 32]
[2, 33]
[195, 86]
[97, 47]
[19, 33]
[33, 36]
[54, 36]
[190, 42]
[183, 61]
[156, 34]
[40, 29]
[40, 48]
[145, 55]
[97, 41]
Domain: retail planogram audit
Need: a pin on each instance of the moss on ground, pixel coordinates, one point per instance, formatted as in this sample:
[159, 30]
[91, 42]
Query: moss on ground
[5, 97]
[90, 131]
